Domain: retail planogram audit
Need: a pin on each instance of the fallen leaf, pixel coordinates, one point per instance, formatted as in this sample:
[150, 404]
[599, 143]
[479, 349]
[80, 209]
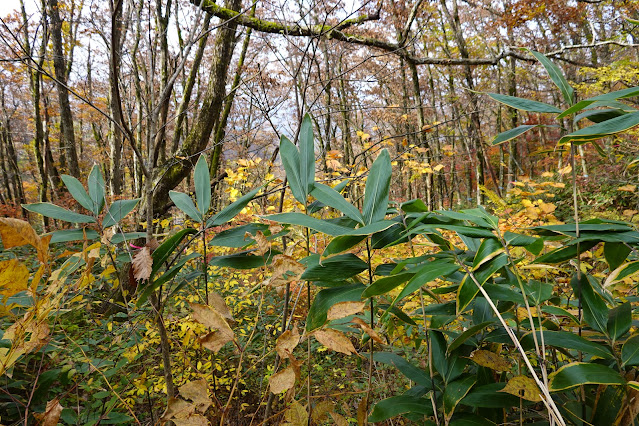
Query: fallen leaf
[197, 391]
[14, 277]
[192, 420]
[142, 264]
[438, 167]
[490, 360]
[282, 381]
[524, 387]
[627, 188]
[296, 415]
[335, 340]
[344, 309]
[287, 341]
[177, 409]
[338, 419]
[565, 170]
[368, 330]
[51, 414]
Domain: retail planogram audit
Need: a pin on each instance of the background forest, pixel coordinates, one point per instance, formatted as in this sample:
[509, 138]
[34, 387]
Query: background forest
[319, 212]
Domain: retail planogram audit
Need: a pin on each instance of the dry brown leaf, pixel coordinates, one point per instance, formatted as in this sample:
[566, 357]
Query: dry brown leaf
[282, 381]
[368, 330]
[214, 341]
[218, 303]
[627, 188]
[14, 277]
[524, 387]
[197, 391]
[321, 410]
[283, 264]
[344, 309]
[490, 360]
[51, 414]
[287, 342]
[263, 245]
[335, 340]
[296, 415]
[209, 317]
[153, 244]
[16, 232]
[362, 415]
[142, 264]
[338, 419]
[192, 420]
[177, 408]
[275, 229]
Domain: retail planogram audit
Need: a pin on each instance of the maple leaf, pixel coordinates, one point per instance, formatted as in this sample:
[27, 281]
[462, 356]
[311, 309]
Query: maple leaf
[142, 264]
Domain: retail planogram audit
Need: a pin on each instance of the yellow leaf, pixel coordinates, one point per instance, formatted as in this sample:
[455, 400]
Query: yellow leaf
[142, 264]
[197, 391]
[321, 411]
[627, 188]
[490, 360]
[335, 340]
[287, 342]
[217, 302]
[16, 232]
[547, 174]
[344, 309]
[296, 415]
[338, 419]
[565, 170]
[282, 381]
[14, 277]
[524, 387]
[438, 167]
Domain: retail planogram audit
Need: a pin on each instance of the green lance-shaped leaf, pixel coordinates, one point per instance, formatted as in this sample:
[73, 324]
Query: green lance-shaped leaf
[600, 115]
[243, 260]
[66, 235]
[512, 133]
[202, 180]
[538, 292]
[355, 236]
[57, 212]
[489, 249]
[630, 351]
[438, 348]
[291, 161]
[126, 236]
[78, 192]
[567, 340]
[524, 104]
[619, 320]
[386, 284]
[232, 210]
[329, 297]
[615, 254]
[557, 76]
[118, 210]
[377, 187]
[183, 202]
[455, 392]
[318, 225]
[401, 404]
[468, 289]
[332, 198]
[410, 371]
[235, 237]
[307, 154]
[467, 334]
[603, 129]
[594, 307]
[583, 373]
[603, 100]
[624, 271]
[96, 189]
[166, 249]
[336, 268]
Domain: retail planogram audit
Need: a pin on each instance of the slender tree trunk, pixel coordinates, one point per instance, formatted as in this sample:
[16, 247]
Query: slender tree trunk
[116, 174]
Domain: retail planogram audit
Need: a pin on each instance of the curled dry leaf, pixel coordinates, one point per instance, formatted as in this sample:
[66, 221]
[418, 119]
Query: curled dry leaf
[335, 340]
[282, 381]
[368, 330]
[218, 303]
[142, 264]
[344, 309]
[51, 414]
[197, 391]
[14, 277]
[153, 244]
[263, 245]
[490, 360]
[524, 387]
[209, 317]
[287, 342]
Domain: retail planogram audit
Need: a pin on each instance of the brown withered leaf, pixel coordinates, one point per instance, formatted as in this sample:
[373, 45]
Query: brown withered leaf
[153, 244]
[362, 415]
[197, 391]
[51, 414]
[209, 317]
[192, 420]
[287, 341]
[142, 264]
[344, 309]
[263, 245]
[218, 303]
[368, 330]
[177, 408]
[335, 340]
[282, 381]
[338, 419]
[296, 415]
[524, 387]
[16, 232]
[490, 360]
[214, 341]
[321, 410]
[283, 264]
[14, 277]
